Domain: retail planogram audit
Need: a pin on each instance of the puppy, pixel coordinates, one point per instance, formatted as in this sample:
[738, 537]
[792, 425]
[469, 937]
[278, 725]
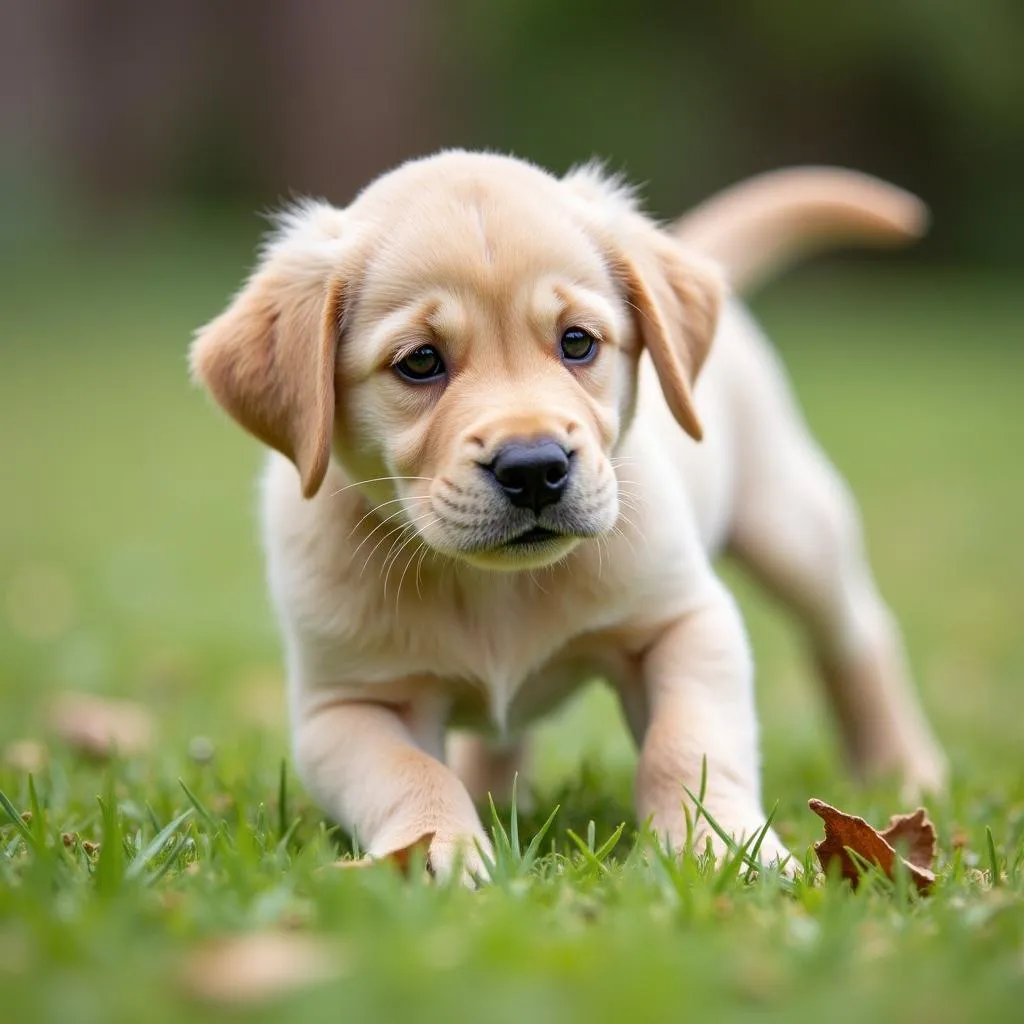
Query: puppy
[484, 387]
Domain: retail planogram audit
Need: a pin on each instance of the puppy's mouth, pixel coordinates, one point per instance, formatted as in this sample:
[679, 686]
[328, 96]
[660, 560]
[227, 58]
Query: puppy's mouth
[495, 534]
[531, 548]
[533, 537]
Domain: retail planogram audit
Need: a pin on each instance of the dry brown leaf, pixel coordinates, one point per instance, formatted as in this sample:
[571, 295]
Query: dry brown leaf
[28, 756]
[908, 838]
[101, 727]
[912, 836]
[254, 968]
[402, 859]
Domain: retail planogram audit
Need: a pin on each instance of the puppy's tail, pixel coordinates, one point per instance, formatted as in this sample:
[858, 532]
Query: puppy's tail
[757, 228]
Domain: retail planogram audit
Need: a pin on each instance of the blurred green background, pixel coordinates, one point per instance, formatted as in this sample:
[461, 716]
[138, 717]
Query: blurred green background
[111, 107]
[138, 143]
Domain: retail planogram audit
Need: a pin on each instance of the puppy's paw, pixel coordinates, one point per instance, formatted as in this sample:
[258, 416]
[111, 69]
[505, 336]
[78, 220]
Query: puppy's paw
[461, 856]
[450, 853]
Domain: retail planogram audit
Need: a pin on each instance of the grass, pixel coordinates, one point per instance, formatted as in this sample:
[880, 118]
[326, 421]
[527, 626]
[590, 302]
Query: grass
[129, 566]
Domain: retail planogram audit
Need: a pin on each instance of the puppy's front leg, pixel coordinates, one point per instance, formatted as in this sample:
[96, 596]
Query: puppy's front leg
[698, 682]
[362, 763]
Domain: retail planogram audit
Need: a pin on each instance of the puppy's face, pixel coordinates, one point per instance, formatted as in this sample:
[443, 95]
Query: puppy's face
[479, 324]
[487, 365]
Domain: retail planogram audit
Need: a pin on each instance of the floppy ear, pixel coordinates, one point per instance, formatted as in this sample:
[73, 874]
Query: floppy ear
[675, 299]
[269, 358]
[674, 296]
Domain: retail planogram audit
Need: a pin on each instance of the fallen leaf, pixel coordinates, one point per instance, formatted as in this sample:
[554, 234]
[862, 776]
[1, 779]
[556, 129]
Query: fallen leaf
[908, 838]
[101, 727]
[402, 859]
[28, 756]
[255, 968]
[912, 836]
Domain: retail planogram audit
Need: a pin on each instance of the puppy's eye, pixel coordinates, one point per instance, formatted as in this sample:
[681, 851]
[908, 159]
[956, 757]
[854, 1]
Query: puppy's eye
[423, 364]
[578, 346]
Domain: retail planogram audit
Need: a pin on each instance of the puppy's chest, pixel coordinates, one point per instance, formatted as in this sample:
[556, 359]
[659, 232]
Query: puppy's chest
[492, 637]
[502, 652]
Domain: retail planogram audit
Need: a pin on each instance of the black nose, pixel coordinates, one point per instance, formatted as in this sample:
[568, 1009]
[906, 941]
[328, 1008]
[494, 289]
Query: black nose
[532, 475]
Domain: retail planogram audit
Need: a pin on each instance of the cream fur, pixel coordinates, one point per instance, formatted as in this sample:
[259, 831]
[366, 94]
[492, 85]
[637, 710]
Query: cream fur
[402, 613]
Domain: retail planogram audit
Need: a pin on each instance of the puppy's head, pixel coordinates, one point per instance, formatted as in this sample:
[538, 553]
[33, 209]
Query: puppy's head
[464, 340]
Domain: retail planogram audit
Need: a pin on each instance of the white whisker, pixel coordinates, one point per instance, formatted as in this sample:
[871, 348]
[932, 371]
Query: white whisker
[400, 530]
[378, 480]
[536, 582]
[419, 565]
[622, 515]
[391, 501]
[410, 525]
[618, 532]
[383, 522]
[408, 562]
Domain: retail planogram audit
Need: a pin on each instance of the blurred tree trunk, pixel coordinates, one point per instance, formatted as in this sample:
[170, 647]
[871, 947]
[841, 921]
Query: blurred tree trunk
[349, 91]
[136, 99]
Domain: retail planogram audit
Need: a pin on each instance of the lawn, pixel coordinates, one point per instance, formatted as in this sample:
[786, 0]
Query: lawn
[129, 566]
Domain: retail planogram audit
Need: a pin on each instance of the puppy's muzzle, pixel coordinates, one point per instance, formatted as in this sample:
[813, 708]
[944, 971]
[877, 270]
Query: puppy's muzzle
[532, 475]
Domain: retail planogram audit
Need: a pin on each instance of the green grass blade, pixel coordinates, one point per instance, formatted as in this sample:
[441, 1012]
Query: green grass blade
[531, 851]
[514, 820]
[110, 866]
[501, 838]
[610, 843]
[731, 843]
[172, 859]
[993, 857]
[16, 819]
[283, 842]
[730, 869]
[38, 820]
[765, 829]
[588, 853]
[138, 865]
[282, 800]
[200, 807]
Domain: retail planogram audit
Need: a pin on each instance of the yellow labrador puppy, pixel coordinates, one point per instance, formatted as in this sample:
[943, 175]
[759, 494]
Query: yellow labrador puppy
[481, 385]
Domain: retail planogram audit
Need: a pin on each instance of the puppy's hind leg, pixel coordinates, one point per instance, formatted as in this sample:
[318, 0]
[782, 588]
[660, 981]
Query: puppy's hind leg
[488, 766]
[797, 530]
